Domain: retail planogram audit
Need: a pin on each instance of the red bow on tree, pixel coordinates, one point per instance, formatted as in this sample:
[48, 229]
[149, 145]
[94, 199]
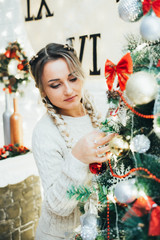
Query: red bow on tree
[122, 69]
[154, 4]
[143, 206]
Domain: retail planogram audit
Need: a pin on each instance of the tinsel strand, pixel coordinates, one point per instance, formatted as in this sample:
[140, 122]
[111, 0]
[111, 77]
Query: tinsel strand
[117, 230]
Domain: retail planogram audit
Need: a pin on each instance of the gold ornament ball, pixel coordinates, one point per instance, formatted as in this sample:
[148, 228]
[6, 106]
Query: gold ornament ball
[118, 145]
[141, 88]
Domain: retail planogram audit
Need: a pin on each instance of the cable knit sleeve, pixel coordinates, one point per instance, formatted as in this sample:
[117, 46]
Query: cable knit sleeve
[58, 169]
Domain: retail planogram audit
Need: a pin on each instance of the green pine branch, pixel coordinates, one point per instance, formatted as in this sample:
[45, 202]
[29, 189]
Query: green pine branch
[145, 55]
[81, 193]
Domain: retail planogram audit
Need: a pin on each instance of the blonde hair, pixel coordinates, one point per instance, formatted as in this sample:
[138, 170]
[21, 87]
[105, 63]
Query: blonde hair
[55, 51]
[51, 52]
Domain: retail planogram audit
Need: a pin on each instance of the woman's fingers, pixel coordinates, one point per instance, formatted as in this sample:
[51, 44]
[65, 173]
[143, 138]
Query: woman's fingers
[104, 140]
[103, 158]
[102, 150]
[93, 147]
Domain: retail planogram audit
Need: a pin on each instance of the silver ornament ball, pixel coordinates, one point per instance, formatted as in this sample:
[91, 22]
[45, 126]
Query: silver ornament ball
[140, 143]
[90, 220]
[141, 88]
[88, 233]
[126, 191]
[150, 28]
[130, 10]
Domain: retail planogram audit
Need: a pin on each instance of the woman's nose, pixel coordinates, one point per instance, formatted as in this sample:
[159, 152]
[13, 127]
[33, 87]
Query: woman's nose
[68, 89]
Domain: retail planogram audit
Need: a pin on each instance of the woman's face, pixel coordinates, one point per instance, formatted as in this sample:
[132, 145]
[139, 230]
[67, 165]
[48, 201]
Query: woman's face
[61, 87]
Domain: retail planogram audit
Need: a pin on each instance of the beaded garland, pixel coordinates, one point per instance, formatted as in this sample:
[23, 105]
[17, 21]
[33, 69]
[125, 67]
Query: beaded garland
[133, 110]
[131, 171]
[108, 224]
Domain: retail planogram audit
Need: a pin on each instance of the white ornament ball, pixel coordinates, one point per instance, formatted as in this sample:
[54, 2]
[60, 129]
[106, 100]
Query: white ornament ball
[126, 191]
[88, 233]
[12, 67]
[130, 10]
[141, 88]
[150, 28]
[140, 143]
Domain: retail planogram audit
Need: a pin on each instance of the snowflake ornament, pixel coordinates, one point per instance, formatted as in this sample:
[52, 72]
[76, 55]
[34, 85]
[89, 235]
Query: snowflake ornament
[122, 170]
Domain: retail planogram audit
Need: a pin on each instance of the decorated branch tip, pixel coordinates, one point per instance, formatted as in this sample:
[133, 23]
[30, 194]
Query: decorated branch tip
[82, 193]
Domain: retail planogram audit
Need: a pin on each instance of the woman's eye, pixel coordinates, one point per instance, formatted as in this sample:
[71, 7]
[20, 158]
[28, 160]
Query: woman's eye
[73, 79]
[55, 86]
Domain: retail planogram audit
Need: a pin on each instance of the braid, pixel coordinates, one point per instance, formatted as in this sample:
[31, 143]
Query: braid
[91, 110]
[59, 122]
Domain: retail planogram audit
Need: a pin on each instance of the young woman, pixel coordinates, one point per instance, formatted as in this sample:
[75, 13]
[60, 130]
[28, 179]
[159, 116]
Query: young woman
[66, 139]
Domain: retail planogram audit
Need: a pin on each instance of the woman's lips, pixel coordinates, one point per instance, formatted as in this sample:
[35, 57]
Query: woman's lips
[70, 99]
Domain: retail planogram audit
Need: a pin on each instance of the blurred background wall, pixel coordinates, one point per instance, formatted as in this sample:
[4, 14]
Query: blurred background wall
[93, 27]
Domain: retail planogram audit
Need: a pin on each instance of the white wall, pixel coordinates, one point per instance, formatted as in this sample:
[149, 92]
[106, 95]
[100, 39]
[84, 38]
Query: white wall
[72, 18]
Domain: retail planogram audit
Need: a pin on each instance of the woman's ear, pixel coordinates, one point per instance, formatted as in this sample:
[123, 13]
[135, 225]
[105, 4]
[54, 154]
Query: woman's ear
[43, 94]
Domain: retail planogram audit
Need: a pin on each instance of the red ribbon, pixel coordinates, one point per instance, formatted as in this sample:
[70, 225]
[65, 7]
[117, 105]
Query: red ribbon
[154, 4]
[158, 64]
[154, 226]
[124, 67]
[143, 206]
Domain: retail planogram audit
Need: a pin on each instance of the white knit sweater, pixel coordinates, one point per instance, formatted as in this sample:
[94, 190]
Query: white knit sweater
[58, 170]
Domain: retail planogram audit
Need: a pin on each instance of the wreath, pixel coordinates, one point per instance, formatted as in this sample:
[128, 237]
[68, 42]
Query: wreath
[14, 69]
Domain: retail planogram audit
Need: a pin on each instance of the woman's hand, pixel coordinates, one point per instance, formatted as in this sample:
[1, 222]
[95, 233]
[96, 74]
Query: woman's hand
[91, 148]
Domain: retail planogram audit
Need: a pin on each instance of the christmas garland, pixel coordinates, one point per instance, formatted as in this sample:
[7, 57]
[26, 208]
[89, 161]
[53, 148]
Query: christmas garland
[14, 69]
[12, 151]
[142, 211]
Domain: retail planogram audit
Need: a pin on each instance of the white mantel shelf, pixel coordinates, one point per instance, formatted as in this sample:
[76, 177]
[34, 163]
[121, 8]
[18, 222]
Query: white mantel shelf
[16, 169]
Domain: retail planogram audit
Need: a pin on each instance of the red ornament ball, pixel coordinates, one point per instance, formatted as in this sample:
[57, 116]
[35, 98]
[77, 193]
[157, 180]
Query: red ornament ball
[8, 54]
[20, 66]
[97, 168]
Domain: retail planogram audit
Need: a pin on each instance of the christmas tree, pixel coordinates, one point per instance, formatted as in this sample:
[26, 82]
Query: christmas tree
[126, 189]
